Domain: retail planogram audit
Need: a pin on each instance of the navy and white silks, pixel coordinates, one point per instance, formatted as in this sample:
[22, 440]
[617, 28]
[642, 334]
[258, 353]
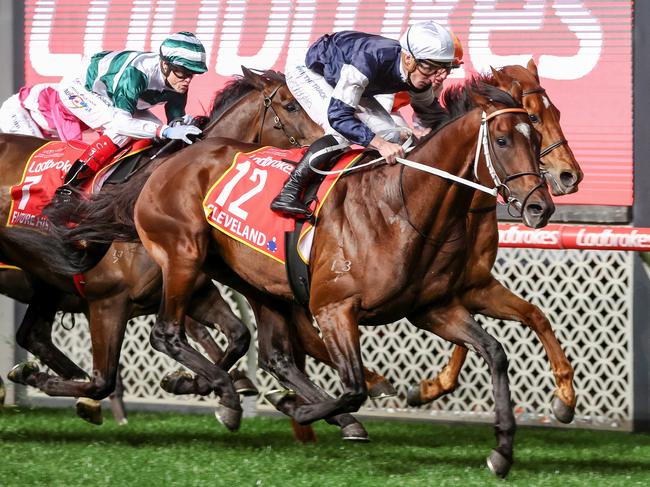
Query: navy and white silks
[348, 82]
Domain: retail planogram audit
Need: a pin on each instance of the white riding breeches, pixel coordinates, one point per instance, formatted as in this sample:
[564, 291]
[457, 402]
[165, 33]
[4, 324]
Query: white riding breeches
[16, 119]
[313, 93]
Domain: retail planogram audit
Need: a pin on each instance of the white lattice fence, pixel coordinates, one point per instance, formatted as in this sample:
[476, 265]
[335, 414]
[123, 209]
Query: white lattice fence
[585, 294]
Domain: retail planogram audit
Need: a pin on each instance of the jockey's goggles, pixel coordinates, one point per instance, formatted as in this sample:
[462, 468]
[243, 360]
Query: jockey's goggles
[429, 68]
[180, 72]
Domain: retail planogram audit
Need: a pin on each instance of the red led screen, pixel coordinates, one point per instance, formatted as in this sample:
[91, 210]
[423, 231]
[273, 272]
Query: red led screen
[583, 50]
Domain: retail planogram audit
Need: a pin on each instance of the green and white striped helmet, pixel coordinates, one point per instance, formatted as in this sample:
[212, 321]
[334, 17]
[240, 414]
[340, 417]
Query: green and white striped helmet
[184, 49]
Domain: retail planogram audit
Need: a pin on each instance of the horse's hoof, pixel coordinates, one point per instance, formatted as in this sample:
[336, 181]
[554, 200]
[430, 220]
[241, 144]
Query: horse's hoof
[498, 464]
[355, 432]
[413, 397]
[230, 418]
[89, 410]
[243, 385]
[562, 412]
[20, 372]
[169, 383]
[276, 396]
[381, 390]
[122, 421]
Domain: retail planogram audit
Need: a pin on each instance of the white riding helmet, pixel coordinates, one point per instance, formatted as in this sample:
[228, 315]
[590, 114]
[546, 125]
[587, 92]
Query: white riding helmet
[431, 41]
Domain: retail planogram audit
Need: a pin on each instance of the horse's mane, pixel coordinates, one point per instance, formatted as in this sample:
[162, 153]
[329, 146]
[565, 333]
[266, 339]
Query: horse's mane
[235, 90]
[457, 100]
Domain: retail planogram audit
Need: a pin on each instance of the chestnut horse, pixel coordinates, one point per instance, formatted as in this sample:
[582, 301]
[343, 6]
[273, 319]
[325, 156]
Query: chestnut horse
[126, 283]
[481, 293]
[416, 229]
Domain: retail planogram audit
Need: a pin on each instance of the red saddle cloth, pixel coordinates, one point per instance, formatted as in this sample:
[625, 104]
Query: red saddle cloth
[238, 204]
[45, 171]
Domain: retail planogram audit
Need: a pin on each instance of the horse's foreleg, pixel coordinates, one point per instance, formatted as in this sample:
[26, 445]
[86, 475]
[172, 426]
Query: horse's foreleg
[35, 336]
[341, 336]
[107, 323]
[378, 386]
[117, 400]
[496, 301]
[444, 383]
[277, 356]
[455, 324]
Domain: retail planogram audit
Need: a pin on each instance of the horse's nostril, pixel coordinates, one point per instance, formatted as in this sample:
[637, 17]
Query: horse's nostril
[568, 179]
[534, 210]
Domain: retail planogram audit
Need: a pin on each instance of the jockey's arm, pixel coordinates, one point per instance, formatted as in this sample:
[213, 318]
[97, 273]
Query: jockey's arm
[125, 124]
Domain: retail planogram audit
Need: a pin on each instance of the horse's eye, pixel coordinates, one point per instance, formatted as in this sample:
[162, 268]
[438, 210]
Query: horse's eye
[534, 118]
[291, 107]
[501, 141]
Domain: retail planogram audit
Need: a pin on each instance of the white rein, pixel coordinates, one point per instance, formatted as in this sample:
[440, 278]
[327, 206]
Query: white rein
[483, 144]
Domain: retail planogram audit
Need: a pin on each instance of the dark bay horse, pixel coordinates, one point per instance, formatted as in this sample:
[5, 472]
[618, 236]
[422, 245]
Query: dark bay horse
[481, 293]
[126, 283]
[403, 234]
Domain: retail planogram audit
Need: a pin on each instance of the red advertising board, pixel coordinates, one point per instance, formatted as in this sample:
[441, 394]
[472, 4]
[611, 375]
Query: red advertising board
[583, 50]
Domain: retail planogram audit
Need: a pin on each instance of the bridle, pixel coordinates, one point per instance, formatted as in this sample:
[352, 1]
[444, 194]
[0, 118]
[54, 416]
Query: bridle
[487, 145]
[484, 144]
[554, 145]
[268, 104]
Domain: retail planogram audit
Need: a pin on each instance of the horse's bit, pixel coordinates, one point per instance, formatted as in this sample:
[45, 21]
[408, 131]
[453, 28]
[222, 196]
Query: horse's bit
[278, 123]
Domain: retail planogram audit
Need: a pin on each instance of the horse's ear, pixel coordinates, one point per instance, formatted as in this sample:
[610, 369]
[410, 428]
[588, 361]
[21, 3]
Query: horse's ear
[516, 92]
[253, 78]
[498, 77]
[532, 67]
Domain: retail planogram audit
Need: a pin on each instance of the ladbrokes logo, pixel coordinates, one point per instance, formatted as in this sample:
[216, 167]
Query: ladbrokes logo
[516, 235]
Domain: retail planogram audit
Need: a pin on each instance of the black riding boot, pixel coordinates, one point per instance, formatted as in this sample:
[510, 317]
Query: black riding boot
[289, 201]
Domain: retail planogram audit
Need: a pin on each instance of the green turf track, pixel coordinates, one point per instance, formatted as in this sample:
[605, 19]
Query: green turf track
[53, 447]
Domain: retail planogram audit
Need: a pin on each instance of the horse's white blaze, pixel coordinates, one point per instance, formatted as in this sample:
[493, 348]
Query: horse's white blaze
[524, 128]
[546, 101]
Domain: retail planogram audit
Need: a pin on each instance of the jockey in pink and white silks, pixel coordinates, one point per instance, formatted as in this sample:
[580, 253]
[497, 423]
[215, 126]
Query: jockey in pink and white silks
[347, 85]
[115, 90]
[37, 111]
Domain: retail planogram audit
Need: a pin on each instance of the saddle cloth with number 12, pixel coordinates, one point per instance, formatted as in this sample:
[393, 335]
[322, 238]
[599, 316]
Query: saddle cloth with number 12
[238, 204]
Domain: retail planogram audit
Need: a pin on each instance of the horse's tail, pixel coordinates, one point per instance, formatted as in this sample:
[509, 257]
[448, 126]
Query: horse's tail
[61, 259]
[107, 216]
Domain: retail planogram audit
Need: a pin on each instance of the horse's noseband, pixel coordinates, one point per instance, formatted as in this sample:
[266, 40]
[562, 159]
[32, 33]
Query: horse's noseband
[268, 105]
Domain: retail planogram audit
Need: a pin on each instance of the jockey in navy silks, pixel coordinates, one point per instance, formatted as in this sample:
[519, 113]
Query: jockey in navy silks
[347, 85]
[115, 90]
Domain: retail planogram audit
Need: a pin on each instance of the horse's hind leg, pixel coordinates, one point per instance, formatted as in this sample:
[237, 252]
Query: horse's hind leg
[455, 324]
[168, 335]
[497, 301]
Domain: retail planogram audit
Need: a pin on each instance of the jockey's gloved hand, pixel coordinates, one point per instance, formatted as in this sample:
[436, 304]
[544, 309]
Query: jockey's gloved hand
[187, 119]
[180, 132]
